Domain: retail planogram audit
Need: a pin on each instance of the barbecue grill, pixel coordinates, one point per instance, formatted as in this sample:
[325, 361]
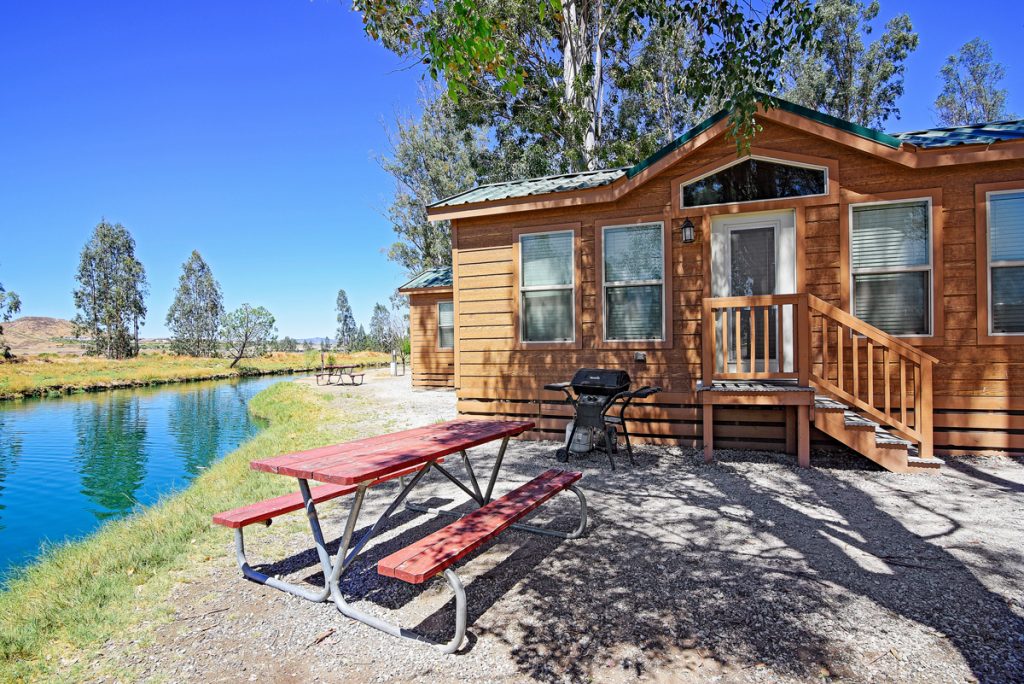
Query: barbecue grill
[593, 393]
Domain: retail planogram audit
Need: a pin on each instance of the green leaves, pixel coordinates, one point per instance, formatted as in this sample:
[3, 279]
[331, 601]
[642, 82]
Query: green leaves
[194, 316]
[111, 292]
[247, 331]
[970, 87]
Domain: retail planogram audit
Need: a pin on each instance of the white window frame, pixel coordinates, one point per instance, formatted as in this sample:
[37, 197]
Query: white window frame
[605, 283]
[758, 157]
[441, 327]
[546, 288]
[1001, 263]
[930, 268]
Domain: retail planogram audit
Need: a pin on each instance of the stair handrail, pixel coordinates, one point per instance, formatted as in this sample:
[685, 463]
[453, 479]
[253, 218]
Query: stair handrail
[921, 430]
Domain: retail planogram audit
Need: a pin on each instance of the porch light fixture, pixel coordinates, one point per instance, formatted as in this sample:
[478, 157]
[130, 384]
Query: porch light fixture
[687, 230]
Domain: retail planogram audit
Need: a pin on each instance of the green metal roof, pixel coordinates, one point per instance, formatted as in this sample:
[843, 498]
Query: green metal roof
[432, 277]
[975, 134]
[533, 186]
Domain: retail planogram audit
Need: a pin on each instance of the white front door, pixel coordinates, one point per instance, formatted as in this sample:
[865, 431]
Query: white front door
[754, 254]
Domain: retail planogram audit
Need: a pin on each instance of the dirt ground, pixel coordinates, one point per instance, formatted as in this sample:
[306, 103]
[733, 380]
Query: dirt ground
[747, 570]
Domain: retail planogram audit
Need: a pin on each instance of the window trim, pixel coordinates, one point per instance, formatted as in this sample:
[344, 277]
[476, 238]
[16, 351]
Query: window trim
[605, 284]
[930, 268]
[517, 278]
[759, 157]
[983, 217]
[438, 304]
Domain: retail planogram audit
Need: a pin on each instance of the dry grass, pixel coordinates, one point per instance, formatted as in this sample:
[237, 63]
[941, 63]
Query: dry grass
[45, 374]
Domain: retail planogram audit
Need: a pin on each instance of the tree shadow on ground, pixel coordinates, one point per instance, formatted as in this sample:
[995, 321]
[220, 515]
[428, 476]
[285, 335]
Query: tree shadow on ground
[704, 557]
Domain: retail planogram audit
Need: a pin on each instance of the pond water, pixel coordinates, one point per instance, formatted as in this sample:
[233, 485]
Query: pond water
[71, 463]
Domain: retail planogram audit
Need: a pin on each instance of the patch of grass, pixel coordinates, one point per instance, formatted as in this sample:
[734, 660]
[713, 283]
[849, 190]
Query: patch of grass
[80, 594]
[47, 374]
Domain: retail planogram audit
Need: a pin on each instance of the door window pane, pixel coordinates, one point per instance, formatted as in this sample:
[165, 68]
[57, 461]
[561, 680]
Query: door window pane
[890, 255]
[634, 268]
[752, 272]
[547, 283]
[446, 325]
[896, 303]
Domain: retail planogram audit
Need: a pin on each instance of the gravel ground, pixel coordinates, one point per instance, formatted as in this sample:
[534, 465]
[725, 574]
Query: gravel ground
[748, 570]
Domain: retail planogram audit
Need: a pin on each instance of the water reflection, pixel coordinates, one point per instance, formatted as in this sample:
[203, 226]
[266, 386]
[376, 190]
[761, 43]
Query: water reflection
[111, 453]
[68, 464]
[10, 452]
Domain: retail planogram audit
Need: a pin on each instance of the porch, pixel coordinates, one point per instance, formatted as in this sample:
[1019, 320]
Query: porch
[865, 388]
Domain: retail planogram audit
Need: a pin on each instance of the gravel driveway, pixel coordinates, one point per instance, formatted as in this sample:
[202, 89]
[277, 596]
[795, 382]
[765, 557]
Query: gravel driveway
[748, 570]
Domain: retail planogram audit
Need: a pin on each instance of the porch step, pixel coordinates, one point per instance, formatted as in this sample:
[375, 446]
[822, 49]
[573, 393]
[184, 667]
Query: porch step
[868, 438]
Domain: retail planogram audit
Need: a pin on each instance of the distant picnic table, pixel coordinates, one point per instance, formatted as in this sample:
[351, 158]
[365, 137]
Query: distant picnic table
[340, 373]
[356, 467]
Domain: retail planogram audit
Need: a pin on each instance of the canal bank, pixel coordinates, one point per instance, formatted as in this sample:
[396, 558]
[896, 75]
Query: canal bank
[53, 376]
[80, 594]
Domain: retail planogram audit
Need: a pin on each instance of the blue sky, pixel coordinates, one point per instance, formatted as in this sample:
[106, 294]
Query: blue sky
[248, 131]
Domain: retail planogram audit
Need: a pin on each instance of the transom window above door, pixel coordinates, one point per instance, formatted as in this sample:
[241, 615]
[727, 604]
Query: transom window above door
[755, 178]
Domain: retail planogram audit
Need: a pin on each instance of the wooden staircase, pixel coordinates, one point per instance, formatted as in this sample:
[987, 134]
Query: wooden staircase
[870, 439]
[866, 389]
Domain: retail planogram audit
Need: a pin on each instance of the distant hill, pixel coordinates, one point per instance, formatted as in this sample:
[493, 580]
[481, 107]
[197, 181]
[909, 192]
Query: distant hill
[38, 334]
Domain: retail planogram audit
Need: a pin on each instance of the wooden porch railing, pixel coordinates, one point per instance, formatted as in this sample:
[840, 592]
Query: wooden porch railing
[803, 338]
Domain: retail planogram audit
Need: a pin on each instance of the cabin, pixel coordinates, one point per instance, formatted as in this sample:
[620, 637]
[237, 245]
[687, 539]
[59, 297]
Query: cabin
[831, 284]
[431, 328]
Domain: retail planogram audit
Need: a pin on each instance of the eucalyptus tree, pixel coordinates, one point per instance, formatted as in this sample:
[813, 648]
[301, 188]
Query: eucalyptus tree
[432, 157]
[970, 87]
[346, 321]
[194, 316]
[248, 331]
[534, 72]
[841, 74]
[10, 304]
[387, 329]
[111, 292]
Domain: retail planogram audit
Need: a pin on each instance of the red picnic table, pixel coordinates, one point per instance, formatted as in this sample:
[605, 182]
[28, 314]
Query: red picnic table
[355, 467]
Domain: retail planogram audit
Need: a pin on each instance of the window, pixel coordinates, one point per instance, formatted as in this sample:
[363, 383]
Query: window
[753, 179]
[547, 281]
[634, 282]
[890, 251]
[1006, 262]
[445, 325]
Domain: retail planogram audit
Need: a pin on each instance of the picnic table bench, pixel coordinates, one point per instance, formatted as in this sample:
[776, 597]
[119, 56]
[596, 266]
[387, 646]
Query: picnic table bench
[340, 372]
[355, 467]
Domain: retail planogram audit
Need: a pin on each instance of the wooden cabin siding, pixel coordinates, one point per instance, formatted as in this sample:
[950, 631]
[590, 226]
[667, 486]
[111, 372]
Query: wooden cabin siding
[978, 388]
[431, 365]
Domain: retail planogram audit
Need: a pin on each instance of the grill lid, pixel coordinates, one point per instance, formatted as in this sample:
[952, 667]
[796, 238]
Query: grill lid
[601, 381]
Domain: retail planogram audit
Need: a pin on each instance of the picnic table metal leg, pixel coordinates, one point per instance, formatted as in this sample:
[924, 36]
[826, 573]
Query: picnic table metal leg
[345, 558]
[494, 471]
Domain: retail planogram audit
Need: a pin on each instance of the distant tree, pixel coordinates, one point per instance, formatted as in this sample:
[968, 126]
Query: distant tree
[346, 321]
[287, 344]
[247, 332]
[111, 292]
[431, 158]
[388, 329]
[970, 87]
[841, 75]
[10, 304]
[361, 341]
[194, 316]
